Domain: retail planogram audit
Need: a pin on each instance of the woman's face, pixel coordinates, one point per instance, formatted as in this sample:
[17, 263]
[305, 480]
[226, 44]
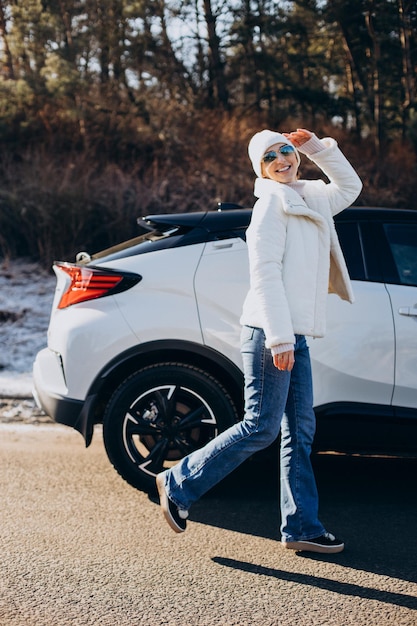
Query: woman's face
[282, 169]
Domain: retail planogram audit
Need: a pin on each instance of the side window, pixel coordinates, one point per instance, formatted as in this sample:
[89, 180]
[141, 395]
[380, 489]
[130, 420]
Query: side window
[402, 239]
[352, 250]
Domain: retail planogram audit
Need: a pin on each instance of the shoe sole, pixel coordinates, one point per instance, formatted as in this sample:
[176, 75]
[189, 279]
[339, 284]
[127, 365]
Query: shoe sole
[163, 500]
[307, 546]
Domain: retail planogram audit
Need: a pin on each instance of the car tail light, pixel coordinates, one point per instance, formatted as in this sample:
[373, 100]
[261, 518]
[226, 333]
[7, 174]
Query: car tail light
[89, 283]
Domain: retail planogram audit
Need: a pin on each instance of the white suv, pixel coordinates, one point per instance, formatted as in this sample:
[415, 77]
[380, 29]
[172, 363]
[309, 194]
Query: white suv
[144, 337]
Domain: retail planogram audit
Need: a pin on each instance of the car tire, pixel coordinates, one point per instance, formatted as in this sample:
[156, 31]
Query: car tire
[160, 414]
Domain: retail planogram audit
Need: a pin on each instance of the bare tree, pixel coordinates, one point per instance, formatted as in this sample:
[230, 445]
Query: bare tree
[408, 71]
[217, 88]
[8, 71]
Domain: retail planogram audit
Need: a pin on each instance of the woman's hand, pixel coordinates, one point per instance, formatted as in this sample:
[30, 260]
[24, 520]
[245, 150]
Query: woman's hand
[299, 136]
[284, 360]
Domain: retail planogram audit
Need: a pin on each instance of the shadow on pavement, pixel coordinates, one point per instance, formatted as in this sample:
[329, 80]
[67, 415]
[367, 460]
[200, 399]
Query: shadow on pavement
[327, 584]
[370, 502]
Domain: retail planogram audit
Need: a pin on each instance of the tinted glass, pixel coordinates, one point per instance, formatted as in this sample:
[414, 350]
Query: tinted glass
[351, 247]
[402, 239]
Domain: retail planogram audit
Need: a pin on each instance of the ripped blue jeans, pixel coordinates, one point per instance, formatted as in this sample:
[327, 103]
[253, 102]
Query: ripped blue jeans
[274, 400]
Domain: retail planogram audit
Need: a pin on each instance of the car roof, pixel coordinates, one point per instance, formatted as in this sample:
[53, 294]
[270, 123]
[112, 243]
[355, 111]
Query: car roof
[213, 221]
[210, 220]
[376, 213]
[181, 229]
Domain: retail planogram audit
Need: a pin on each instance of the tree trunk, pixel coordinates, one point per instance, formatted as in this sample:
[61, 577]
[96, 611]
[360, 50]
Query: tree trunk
[408, 77]
[374, 90]
[217, 82]
[8, 71]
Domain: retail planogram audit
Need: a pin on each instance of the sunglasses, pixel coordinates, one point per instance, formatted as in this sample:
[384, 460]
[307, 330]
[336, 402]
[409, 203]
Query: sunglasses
[285, 150]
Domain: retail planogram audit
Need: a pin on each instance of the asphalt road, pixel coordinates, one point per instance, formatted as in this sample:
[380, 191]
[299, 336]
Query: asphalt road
[81, 547]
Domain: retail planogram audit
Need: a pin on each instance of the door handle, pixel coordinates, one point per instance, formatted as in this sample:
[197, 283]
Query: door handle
[222, 246]
[408, 311]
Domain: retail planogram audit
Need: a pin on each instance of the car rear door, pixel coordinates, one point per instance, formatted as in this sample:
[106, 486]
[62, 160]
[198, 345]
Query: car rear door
[354, 363]
[401, 286]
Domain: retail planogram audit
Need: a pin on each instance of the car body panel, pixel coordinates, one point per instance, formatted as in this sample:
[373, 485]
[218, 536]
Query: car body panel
[354, 361]
[220, 307]
[87, 334]
[165, 296]
[404, 308]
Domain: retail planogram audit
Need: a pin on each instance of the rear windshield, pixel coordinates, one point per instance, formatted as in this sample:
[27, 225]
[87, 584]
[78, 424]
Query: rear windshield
[149, 240]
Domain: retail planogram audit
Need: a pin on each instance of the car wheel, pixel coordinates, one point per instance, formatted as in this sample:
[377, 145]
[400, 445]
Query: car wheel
[159, 415]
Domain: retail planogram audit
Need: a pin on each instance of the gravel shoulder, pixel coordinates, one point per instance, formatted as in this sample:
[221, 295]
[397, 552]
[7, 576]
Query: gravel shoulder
[22, 411]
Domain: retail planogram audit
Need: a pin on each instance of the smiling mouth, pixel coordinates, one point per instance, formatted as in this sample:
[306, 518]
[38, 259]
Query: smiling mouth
[284, 169]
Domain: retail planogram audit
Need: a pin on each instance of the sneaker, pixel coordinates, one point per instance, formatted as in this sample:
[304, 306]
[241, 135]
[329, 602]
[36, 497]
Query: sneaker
[327, 543]
[175, 517]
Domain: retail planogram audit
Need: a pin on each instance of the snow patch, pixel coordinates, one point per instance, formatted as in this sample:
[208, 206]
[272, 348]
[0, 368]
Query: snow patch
[26, 296]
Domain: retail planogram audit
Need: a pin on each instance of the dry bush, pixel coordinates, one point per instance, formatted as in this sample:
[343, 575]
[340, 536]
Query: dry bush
[389, 179]
[54, 203]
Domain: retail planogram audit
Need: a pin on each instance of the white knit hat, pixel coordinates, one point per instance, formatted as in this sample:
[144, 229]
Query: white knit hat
[260, 143]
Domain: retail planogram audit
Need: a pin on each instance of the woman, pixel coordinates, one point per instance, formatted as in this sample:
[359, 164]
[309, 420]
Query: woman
[294, 260]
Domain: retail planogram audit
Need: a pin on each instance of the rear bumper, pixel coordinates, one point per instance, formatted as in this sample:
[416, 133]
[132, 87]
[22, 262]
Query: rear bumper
[49, 393]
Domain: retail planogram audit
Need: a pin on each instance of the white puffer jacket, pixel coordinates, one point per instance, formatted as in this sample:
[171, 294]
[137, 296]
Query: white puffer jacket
[295, 257]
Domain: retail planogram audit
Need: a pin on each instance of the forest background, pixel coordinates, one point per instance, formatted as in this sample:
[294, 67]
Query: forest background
[113, 110]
